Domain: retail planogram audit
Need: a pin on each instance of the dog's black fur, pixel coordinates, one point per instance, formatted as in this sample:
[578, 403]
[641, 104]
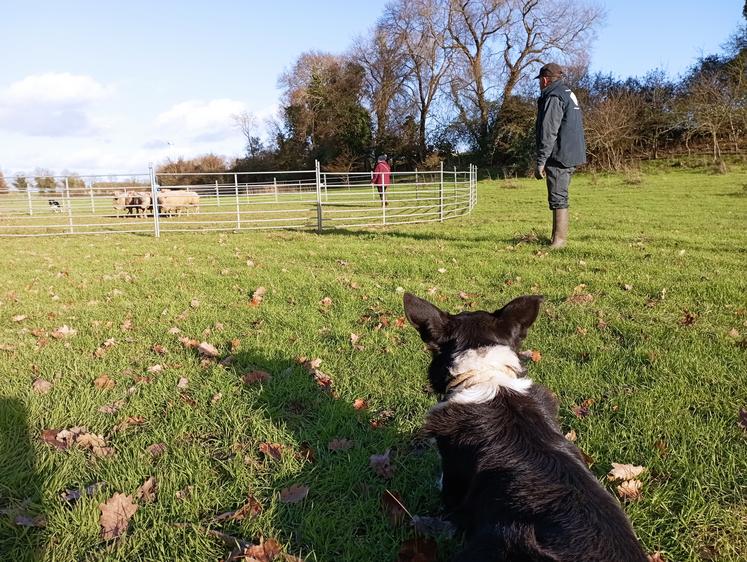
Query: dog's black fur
[512, 483]
[55, 205]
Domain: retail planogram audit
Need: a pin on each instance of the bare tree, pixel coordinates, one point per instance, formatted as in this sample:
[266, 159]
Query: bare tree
[420, 27]
[610, 125]
[45, 181]
[3, 184]
[499, 43]
[20, 182]
[247, 123]
[472, 26]
[383, 59]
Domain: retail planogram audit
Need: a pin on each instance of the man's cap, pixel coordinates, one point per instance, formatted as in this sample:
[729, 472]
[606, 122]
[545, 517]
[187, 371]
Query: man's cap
[551, 69]
[382, 157]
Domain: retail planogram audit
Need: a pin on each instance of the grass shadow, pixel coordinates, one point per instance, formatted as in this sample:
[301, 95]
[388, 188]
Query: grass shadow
[360, 523]
[20, 486]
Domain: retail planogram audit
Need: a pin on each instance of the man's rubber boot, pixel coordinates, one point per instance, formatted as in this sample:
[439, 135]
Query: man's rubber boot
[559, 228]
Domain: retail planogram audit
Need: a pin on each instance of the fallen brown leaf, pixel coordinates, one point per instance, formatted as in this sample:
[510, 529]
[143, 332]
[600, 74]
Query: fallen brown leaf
[381, 464]
[103, 382]
[183, 382]
[630, 490]
[19, 318]
[258, 296]
[294, 493]
[340, 444]
[156, 450]
[624, 471]
[418, 549]
[63, 332]
[271, 450]
[256, 376]
[360, 404]
[112, 408]
[394, 509]
[30, 521]
[115, 516]
[41, 386]
[159, 349]
[147, 492]
[207, 350]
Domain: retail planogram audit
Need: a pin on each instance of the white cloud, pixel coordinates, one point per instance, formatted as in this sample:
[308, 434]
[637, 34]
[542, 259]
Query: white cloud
[201, 121]
[52, 104]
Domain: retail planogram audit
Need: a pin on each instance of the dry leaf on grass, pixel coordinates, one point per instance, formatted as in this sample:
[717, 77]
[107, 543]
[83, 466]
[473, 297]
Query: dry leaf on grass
[207, 350]
[63, 332]
[326, 302]
[251, 509]
[147, 492]
[126, 325]
[381, 464]
[742, 419]
[391, 503]
[271, 450]
[115, 516]
[656, 557]
[30, 521]
[103, 382]
[155, 369]
[183, 382]
[41, 386]
[360, 404]
[294, 494]
[75, 494]
[156, 450]
[256, 376]
[159, 349]
[19, 318]
[630, 490]
[582, 410]
[340, 444]
[112, 408]
[194, 303]
[174, 330]
[571, 436]
[257, 296]
[624, 472]
[418, 549]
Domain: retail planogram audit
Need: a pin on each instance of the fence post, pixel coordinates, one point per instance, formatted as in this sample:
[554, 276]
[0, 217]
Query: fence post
[238, 205]
[275, 184]
[90, 194]
[217, 193]
[154, 202]
[69, 206]
[28, 196]
[318, 198]
[417, 194]
[441, 192]
[455, 182]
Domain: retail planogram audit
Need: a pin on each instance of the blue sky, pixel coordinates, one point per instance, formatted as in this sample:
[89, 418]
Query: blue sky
[100, 87]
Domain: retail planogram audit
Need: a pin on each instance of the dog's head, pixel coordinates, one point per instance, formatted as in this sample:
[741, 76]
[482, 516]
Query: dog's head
[450, 337]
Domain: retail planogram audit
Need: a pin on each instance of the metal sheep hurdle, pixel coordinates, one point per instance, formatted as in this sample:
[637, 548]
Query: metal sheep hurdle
[295, 199]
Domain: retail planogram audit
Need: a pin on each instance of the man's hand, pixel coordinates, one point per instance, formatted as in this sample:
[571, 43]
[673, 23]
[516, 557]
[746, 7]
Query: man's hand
[539, 172]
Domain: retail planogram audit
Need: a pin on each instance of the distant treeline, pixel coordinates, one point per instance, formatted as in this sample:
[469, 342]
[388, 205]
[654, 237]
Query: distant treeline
[452, 80]
[441, 79]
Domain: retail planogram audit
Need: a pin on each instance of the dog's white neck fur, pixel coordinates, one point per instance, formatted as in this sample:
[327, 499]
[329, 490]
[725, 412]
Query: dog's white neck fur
[486, 371]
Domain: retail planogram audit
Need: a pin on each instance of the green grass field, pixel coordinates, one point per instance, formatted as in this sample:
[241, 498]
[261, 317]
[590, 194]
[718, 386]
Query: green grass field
[656, 355]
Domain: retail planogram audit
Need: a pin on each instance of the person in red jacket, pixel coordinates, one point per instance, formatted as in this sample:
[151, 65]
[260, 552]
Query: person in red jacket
[382, 175]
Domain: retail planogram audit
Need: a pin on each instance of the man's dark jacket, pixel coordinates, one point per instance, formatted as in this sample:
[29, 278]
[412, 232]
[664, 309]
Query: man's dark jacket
[560, 130]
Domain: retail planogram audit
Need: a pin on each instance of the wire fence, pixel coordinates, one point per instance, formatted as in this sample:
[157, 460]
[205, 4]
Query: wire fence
[157, 203]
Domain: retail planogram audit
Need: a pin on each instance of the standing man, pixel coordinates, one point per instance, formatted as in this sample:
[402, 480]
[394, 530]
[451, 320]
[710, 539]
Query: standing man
[382, 176]
[560, 145]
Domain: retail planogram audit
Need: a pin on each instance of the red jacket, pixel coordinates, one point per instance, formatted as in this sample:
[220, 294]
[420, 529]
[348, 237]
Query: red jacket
[382, 174]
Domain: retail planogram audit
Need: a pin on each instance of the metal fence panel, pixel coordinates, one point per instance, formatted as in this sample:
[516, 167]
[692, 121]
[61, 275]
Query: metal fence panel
[159, 203]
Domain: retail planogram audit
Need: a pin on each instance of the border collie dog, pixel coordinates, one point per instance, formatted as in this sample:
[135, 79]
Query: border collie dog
[512, 483]
[55, 205]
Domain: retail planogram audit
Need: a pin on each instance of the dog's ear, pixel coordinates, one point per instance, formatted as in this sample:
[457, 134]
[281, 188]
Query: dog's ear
[518, 315]
[427, 318]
